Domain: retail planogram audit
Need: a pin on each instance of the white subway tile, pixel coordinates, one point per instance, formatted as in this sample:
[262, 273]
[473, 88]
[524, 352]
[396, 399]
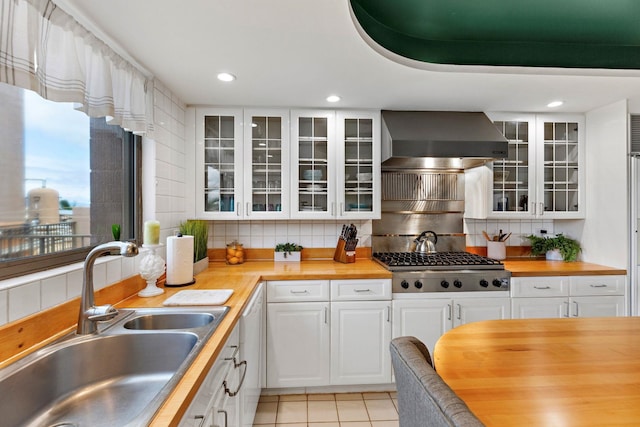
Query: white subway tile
[114, 269]
[24, 300]
[99, 275]
[128, 267]
[4, 308]
[53, 290]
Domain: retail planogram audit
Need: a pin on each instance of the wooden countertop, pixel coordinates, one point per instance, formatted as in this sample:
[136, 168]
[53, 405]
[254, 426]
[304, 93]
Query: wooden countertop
[545, 372]
[528, 268]
[243, 280]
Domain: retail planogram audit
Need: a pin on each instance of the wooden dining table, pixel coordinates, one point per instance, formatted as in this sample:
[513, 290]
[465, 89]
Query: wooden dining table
[546, 372]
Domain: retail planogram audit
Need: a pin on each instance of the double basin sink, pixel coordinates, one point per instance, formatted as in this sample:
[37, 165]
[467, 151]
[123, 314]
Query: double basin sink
[117, 377]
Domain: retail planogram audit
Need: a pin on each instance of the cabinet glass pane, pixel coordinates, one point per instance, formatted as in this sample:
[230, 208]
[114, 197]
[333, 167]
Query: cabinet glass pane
[219, 157]
[312, 164]
[358, 167]
[266, 163]
[560, 166]
[511, 175]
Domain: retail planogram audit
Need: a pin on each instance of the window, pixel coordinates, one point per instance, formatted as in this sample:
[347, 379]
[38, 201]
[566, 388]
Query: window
[65, 179]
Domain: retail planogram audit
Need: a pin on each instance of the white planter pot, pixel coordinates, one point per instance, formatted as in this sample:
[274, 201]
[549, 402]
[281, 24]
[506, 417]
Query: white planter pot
[554, 255]
[290, 257]
[200, 266]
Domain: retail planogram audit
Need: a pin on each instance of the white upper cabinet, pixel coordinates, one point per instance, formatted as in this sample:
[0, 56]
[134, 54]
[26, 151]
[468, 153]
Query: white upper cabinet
[281, 164]
[313, 178]
[542, 176]
[266, 164]
[335, 161]
[358, 194]
[219, 159]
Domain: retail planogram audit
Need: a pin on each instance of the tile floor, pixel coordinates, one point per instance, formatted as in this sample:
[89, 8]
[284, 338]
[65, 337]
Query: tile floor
[328, 410]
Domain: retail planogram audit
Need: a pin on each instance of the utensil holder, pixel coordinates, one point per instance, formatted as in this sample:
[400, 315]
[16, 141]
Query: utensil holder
[496, 250]
[342, 255]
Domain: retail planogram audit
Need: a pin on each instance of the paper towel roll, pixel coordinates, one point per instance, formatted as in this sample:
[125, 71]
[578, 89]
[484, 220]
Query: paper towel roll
[179, 260]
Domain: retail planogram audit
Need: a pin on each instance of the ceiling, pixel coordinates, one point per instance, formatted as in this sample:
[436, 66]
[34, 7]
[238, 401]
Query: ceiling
[294, 53]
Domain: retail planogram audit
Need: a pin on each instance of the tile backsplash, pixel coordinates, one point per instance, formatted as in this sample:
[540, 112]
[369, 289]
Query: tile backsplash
[266, 234]
[520, 228]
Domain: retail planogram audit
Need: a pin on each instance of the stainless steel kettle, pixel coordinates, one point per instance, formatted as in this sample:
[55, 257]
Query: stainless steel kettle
[426, 242]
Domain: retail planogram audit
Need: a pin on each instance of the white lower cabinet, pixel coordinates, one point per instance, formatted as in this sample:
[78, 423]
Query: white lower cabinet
[568, 296]
[360, 336]
[216, 402]
[323, 333]
[429, 318]
[297, 344]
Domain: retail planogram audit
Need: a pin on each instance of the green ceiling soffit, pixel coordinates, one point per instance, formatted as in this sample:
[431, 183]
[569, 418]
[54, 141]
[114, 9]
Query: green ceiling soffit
[527, 33]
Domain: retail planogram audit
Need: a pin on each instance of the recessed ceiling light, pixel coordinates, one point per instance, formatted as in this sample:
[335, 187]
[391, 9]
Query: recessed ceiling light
[226, 77]
[333, 98]
[554, 104]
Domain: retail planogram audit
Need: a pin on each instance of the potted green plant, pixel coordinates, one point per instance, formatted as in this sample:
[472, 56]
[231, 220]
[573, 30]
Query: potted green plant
[200, 232]
[287, 252]
[555, 247]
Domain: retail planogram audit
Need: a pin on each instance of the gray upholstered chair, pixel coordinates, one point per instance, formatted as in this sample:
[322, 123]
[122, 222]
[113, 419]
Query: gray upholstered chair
[424, 399]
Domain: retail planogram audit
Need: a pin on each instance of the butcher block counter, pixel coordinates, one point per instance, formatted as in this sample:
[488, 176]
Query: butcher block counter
[242, 279]
[527, 267]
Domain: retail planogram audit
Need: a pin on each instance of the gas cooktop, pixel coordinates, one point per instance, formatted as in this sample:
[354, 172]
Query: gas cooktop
[415, 261]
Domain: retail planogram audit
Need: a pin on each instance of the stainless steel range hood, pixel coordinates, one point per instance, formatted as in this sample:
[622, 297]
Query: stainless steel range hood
[439, 140]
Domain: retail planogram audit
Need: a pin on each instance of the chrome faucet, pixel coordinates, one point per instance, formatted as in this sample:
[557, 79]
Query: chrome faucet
[89, 313]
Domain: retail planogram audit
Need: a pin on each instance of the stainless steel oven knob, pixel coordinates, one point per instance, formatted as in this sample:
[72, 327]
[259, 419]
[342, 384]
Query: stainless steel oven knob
[457, 283]
[444, 284]
[404, 284]
[418, 284]
[497, 283]
[484, 283]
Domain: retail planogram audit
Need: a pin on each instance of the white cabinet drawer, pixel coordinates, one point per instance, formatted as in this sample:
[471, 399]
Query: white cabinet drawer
[361, 289]
[297, 290]
[597, 285]
[540, 286]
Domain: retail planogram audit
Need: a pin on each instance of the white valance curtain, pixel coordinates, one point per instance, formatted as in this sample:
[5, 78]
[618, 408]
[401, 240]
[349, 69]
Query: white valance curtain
[44, 49]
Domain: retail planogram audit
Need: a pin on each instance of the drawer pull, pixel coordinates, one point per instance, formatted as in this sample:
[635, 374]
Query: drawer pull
[598, 286]
[199, 418]
[299, 292]
[226, 416]
[542, 287]
[362, 290]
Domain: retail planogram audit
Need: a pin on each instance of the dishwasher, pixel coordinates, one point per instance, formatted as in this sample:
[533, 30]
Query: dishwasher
[251, 345]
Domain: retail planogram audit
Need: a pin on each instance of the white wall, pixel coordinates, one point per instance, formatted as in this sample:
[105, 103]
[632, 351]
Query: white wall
[605, 231]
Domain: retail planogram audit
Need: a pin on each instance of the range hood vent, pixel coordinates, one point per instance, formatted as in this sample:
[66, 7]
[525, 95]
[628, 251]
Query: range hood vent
[439, 139]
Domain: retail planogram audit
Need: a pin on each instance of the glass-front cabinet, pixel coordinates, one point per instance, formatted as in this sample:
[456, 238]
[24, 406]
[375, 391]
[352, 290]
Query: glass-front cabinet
[313, 150]
[360, 164]
[218, 174]
[543, 174]
[335, 164]
[266, 163]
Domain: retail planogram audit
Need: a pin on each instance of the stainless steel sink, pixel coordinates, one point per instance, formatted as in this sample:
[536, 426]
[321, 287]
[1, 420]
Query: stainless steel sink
[169, 321]
[120, 376]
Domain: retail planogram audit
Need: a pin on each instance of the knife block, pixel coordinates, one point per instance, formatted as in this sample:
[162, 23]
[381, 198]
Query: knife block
[341, 255]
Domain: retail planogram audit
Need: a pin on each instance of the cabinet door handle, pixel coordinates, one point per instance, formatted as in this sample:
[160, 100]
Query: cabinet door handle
[541, 208]
[598, 286]
[222, 411]
[244, 374]
[299, 292]
[201, 418]
[449, 312]
[333, 208]
[326, 315]
[362, 290]
[533, 209]
[541, 287]
[236, 349]
[341, 209]
[248, 210]
[567, 311]
[388, 314]
[238, 211]
[459, 311]
[576, 305]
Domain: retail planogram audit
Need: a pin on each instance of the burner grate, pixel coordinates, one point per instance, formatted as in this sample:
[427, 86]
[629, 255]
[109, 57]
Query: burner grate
[439, 260]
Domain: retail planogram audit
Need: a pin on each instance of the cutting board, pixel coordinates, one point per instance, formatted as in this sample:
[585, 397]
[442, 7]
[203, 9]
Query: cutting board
[199, 297]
